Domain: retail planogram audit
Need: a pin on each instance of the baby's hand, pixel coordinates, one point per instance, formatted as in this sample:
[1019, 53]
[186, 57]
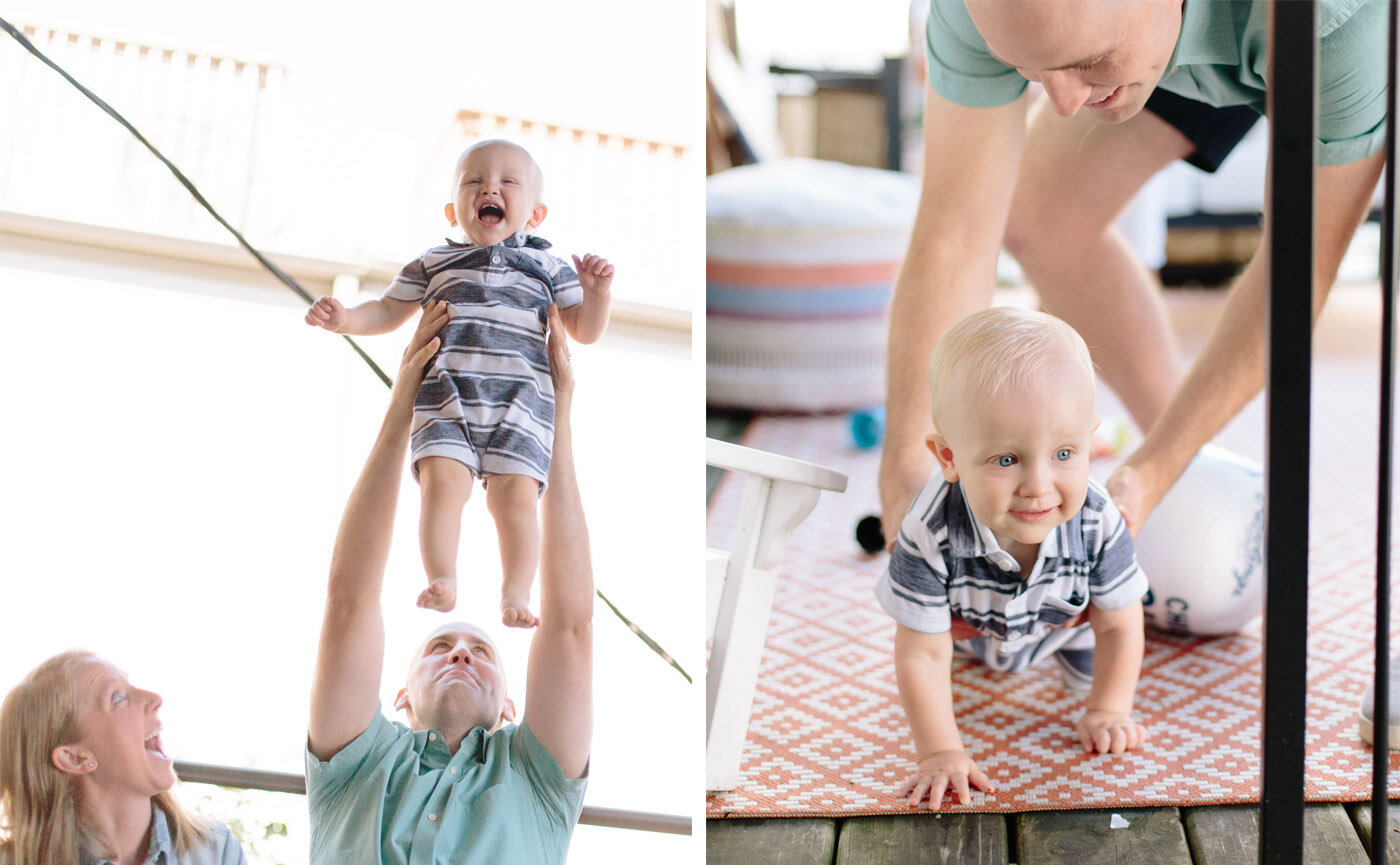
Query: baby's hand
[1109, 732]
[326, 312]
[594, 273]
[939, 772]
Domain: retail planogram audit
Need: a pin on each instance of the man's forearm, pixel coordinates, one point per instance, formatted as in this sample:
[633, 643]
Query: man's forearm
[566, 569]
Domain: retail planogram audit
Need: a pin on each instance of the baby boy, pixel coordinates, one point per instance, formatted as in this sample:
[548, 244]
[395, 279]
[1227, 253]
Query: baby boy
[486, 406]
[1014, 539]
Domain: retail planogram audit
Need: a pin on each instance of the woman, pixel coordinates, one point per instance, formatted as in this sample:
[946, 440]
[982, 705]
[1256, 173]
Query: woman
[83, 777]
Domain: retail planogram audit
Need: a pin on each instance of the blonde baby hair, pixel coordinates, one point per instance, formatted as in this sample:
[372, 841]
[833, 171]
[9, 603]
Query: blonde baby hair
[40, 821]
[1000, 349]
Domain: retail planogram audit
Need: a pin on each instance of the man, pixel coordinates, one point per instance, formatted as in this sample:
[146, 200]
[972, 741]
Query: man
[1051, 189]
[460, 783]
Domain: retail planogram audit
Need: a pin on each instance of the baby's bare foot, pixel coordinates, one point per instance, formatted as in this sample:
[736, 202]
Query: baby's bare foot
[441, 594]
[515, 613]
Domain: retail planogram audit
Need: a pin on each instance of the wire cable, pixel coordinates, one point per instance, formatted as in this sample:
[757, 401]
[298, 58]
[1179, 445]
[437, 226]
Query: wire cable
[285, 278]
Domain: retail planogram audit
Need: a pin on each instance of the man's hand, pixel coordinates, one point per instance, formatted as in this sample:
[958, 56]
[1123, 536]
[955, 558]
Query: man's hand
[595, 274]
[1133, 494]
[1109, 732]
[326, 312]
[903, 472]
[420, 350]
[941, 772]
[561, 369]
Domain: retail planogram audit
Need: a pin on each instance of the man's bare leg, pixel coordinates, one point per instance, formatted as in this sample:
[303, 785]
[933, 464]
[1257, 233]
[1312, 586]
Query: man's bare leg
[1077, 175]
[446, 485]
[512, 501]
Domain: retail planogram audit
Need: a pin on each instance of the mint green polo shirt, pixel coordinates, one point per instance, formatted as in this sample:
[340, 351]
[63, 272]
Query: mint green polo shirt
[1221, 59]
[395, 796]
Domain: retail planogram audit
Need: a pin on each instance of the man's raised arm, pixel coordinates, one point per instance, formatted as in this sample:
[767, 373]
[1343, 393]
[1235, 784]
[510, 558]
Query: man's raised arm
[350, 659]
[559, 682]
[971, 159]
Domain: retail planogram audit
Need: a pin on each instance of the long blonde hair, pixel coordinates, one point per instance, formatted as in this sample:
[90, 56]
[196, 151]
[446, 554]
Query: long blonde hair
[41, 822]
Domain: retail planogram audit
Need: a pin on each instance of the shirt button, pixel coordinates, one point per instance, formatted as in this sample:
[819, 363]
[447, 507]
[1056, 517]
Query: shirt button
[1013, 634]
[432, 737]
[453, 770]
[432, 818]
[495, 259]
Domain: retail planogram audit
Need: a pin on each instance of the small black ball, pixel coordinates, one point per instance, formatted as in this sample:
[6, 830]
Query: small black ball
[870, 535]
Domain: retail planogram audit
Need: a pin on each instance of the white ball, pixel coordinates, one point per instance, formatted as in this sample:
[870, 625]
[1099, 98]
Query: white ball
[1202, 547]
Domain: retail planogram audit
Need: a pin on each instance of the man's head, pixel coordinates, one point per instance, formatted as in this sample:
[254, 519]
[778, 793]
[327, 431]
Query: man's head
[1106, 55]
[497, 191]
[455, 683]
[1013, 402]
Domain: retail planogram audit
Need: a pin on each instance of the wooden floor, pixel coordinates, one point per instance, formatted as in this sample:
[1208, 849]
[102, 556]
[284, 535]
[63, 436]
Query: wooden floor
[1334, 835]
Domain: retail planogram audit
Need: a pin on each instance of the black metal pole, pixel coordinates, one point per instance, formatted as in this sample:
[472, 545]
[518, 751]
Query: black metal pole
[1292, 118]
[1380, 714]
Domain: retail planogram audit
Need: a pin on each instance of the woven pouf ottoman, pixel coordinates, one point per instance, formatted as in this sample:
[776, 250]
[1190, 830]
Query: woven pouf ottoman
[801, 257]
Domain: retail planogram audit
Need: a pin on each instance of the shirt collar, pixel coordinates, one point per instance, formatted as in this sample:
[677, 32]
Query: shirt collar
[515, 241]
[434, 754]
[1207, 35]
[969, 538]
[160, 851]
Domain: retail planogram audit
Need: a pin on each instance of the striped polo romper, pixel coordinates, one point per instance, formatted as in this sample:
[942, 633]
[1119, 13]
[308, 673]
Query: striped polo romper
[487, 400]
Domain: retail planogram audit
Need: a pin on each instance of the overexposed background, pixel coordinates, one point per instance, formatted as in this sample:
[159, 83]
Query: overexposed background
[177, 445]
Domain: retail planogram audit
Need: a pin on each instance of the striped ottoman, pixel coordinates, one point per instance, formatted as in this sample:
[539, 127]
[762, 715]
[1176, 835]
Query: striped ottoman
[800, 260]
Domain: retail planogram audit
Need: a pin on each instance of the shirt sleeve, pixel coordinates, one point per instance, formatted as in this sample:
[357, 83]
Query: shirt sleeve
[1351, 85]
[960, 67]
[563, 283]
[914, 587]
[1115, 580]
[410, 284]
[327, 781]
[231, 850]
[561, 798]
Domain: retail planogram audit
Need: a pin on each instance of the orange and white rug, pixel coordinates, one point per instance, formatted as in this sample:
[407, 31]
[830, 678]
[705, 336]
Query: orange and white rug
[828, 735]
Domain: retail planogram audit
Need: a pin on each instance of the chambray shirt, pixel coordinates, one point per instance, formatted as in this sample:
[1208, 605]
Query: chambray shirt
[222, 849]
[396, 796]
[947, 561]
[1221, 59]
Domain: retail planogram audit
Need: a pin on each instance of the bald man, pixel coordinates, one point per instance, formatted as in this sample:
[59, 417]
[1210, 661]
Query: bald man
[460, 782]
[1131, 85]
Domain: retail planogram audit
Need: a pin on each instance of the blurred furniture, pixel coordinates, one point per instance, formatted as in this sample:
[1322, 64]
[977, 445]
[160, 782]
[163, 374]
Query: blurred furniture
[779, 493]
[800, 257]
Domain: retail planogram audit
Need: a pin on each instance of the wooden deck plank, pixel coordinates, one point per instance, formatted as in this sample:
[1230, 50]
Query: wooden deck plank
[1361, 818]
[923, 839]
[779, 842]
[1230, 836]
[1153, 836]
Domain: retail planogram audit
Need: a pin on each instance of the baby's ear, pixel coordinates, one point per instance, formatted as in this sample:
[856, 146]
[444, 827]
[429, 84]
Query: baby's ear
[537, 215]
[1094, 427]
[450, 211]
[944, 454]
[401, 699]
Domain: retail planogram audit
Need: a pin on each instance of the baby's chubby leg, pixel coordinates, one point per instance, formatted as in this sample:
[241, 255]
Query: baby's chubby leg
[512, 501]
[446, 484]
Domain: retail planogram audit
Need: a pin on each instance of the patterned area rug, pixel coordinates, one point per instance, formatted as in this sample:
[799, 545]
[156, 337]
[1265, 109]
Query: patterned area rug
[828, 735]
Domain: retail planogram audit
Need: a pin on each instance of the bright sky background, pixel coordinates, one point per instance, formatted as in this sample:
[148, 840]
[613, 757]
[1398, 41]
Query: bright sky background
[178, 447]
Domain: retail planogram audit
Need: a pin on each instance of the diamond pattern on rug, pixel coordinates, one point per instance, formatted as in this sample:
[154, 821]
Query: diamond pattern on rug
[828, 735]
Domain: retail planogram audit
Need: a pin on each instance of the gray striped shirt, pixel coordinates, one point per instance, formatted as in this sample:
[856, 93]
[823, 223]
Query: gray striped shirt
[946, 562]
[487, 399]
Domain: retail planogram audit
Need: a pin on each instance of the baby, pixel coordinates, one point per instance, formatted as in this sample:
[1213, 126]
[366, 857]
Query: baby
[1016, 540]
[486, 406]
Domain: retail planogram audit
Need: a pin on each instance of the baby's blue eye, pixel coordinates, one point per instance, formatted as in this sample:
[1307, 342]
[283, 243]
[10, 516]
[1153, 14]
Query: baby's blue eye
[1005, 461]
[1063, 454]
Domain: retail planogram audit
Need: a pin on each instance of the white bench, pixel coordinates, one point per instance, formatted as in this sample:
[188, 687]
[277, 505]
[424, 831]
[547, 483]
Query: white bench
[779, 493]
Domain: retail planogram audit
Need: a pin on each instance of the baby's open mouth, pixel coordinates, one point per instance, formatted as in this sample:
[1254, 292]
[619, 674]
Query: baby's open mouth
[490, 214]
